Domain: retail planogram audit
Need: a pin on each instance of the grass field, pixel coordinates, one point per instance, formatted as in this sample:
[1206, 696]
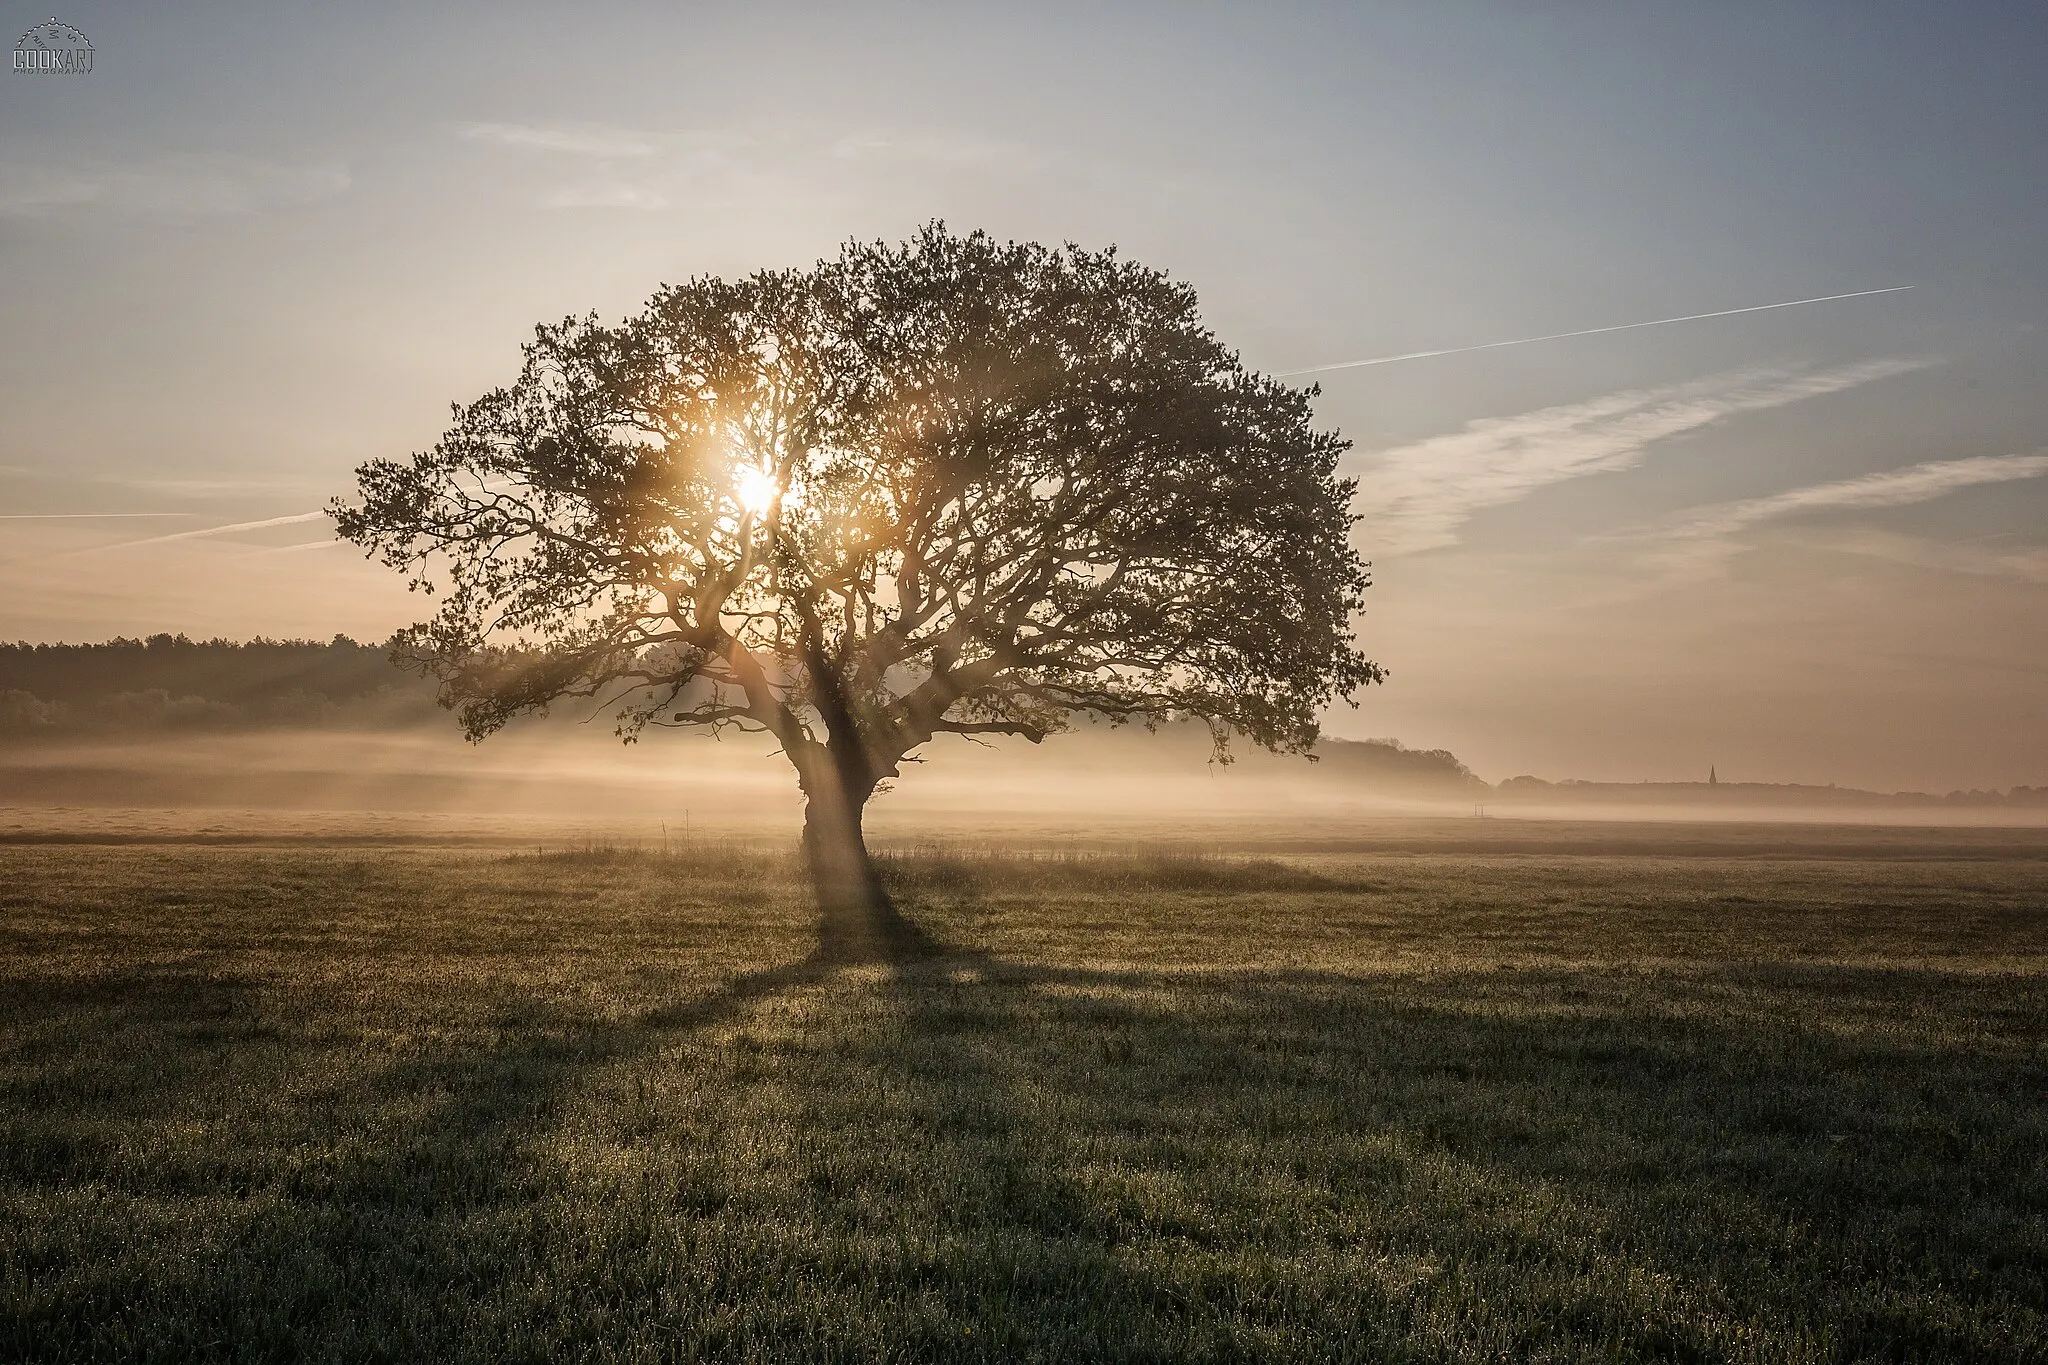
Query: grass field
[426, 1104]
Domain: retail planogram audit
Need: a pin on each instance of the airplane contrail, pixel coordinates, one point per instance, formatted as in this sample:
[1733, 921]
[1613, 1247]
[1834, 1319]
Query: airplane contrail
[487, 485]
[207, 531]
[1590, 331]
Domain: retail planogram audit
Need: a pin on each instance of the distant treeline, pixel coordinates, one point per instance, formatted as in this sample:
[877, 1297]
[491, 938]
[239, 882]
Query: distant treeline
[170, 681]
[1383, 764]
[1388, 761]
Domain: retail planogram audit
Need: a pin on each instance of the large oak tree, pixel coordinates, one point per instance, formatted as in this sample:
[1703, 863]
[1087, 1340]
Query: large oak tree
[953, 486]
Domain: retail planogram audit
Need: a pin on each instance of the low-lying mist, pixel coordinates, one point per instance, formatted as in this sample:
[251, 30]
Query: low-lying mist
[552, 769]
[307, 727]
[554, 778]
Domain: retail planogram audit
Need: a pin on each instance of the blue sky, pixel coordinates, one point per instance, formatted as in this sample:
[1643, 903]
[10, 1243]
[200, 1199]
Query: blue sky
[257, 245]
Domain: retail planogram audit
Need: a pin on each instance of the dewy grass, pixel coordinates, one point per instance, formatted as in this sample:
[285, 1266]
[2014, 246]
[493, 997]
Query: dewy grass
[280, 1105]
[989, 869]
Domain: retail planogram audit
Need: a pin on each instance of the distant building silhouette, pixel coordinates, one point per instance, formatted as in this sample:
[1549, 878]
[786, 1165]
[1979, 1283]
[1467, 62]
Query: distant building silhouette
[1713, 777]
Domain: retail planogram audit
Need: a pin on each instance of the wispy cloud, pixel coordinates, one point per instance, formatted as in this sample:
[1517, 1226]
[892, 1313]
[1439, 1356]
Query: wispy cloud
[942, 150]
[199, 185]
[2027, 564]
[631, 169]
[577, 139]
[1706, 535]
[644, 169]
[1417, 497]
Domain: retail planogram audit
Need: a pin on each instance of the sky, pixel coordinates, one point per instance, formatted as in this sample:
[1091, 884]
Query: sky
[257, 245]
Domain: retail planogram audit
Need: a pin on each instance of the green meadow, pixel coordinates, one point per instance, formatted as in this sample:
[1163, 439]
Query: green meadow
[410, 1104]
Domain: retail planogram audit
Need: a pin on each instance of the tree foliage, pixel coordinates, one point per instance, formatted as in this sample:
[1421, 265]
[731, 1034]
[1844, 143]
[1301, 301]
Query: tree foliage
[948, 486]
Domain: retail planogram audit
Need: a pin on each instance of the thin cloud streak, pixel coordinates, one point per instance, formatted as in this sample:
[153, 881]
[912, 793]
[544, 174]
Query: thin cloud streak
[586, 140]
[652, 170]
[205, 531]
[83, 516]
[2028, 565]
[1416, 497]
[1589, 332]
[1893, 488]
[299, 548]
[176, 187]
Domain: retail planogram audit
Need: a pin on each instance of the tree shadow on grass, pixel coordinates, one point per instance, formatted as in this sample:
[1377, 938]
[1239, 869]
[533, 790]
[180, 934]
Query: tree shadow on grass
[197, 1163]
[938, 1154]
[1497, 1164]
[189, 1172]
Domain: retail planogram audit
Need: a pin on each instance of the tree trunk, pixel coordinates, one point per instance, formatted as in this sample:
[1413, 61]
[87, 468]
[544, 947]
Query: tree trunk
[855, 918]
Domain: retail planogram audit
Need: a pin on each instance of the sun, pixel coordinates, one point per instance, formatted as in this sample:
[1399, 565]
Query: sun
[756, 489]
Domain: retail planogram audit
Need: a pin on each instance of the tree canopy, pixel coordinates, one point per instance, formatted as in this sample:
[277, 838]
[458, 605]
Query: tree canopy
[951, 486]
